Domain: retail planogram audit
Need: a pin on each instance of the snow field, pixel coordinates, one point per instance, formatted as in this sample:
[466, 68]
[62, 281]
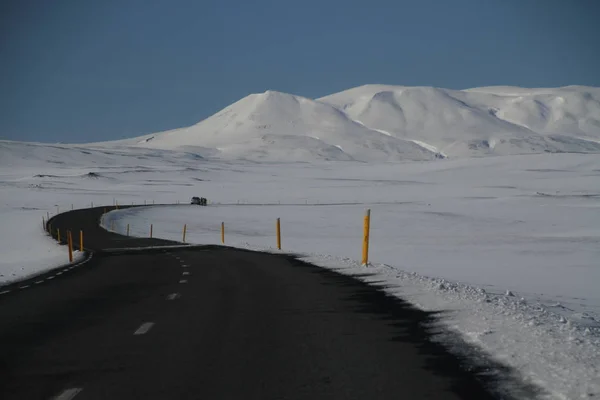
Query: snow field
[453, 235]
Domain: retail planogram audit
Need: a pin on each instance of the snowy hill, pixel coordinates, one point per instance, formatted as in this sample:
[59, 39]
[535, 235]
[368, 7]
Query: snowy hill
[276, 126]
[393, 123]
[480, 121]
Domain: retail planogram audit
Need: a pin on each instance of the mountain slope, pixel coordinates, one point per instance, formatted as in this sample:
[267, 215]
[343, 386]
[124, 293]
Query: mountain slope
[278, 126]
[375, 123]
[480, 121]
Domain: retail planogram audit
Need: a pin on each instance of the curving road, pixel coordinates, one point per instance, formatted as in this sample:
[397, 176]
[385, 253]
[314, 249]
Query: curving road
[214, 323]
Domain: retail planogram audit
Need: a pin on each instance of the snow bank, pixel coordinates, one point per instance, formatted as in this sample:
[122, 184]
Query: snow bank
[25, 247]
[549, 350]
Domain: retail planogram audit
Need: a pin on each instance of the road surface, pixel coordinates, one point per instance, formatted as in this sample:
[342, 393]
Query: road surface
[214, 323]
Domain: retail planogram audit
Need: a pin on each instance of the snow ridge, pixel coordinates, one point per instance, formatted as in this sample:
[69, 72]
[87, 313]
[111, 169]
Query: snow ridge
[393, 123]
[480, 121]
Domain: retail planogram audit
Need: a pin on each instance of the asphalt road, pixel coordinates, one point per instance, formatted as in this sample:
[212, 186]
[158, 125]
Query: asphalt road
[215, 323]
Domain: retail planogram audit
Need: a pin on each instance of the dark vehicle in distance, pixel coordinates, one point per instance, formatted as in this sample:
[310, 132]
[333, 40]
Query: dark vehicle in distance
[201, 201]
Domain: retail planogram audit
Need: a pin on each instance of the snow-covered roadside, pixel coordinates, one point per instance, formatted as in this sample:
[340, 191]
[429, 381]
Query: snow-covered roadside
[557, 353]
[548, 350]
[26, 250]
[497, 244]
[41, 180]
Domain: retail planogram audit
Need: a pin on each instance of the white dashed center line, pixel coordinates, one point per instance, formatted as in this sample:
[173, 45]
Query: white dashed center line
[50, 277]
[172, 296]
[183, 281]
[4, 292]
[144, 328]
[23, 287]
[38, 282]
[186, 273]
[185, 265]
[68, 394]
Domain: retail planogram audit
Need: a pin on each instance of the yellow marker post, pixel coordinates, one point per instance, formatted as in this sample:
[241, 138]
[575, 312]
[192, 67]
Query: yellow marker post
[71, 207]
[367, 227]
[279, 233]
[151, 228]
[112, 226]
[127, 229]
[81, 241]
[70, 245]
[92, 205]
[223, 232]
[184, 231]
[116, 204]
[57, 209]
[58, 234]
[43, 223]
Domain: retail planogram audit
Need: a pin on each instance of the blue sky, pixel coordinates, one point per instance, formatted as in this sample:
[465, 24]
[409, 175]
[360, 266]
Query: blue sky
[80, 71]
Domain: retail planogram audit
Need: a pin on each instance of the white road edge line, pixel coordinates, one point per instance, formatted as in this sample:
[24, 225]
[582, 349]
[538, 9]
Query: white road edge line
[172, 296]
[68, 394]
[144, 328]
[183, 281]
[52, 277]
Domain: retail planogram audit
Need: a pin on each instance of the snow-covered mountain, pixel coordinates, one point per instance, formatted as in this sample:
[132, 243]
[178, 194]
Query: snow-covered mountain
[480, 121]
[392, 123]
[277, 126]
